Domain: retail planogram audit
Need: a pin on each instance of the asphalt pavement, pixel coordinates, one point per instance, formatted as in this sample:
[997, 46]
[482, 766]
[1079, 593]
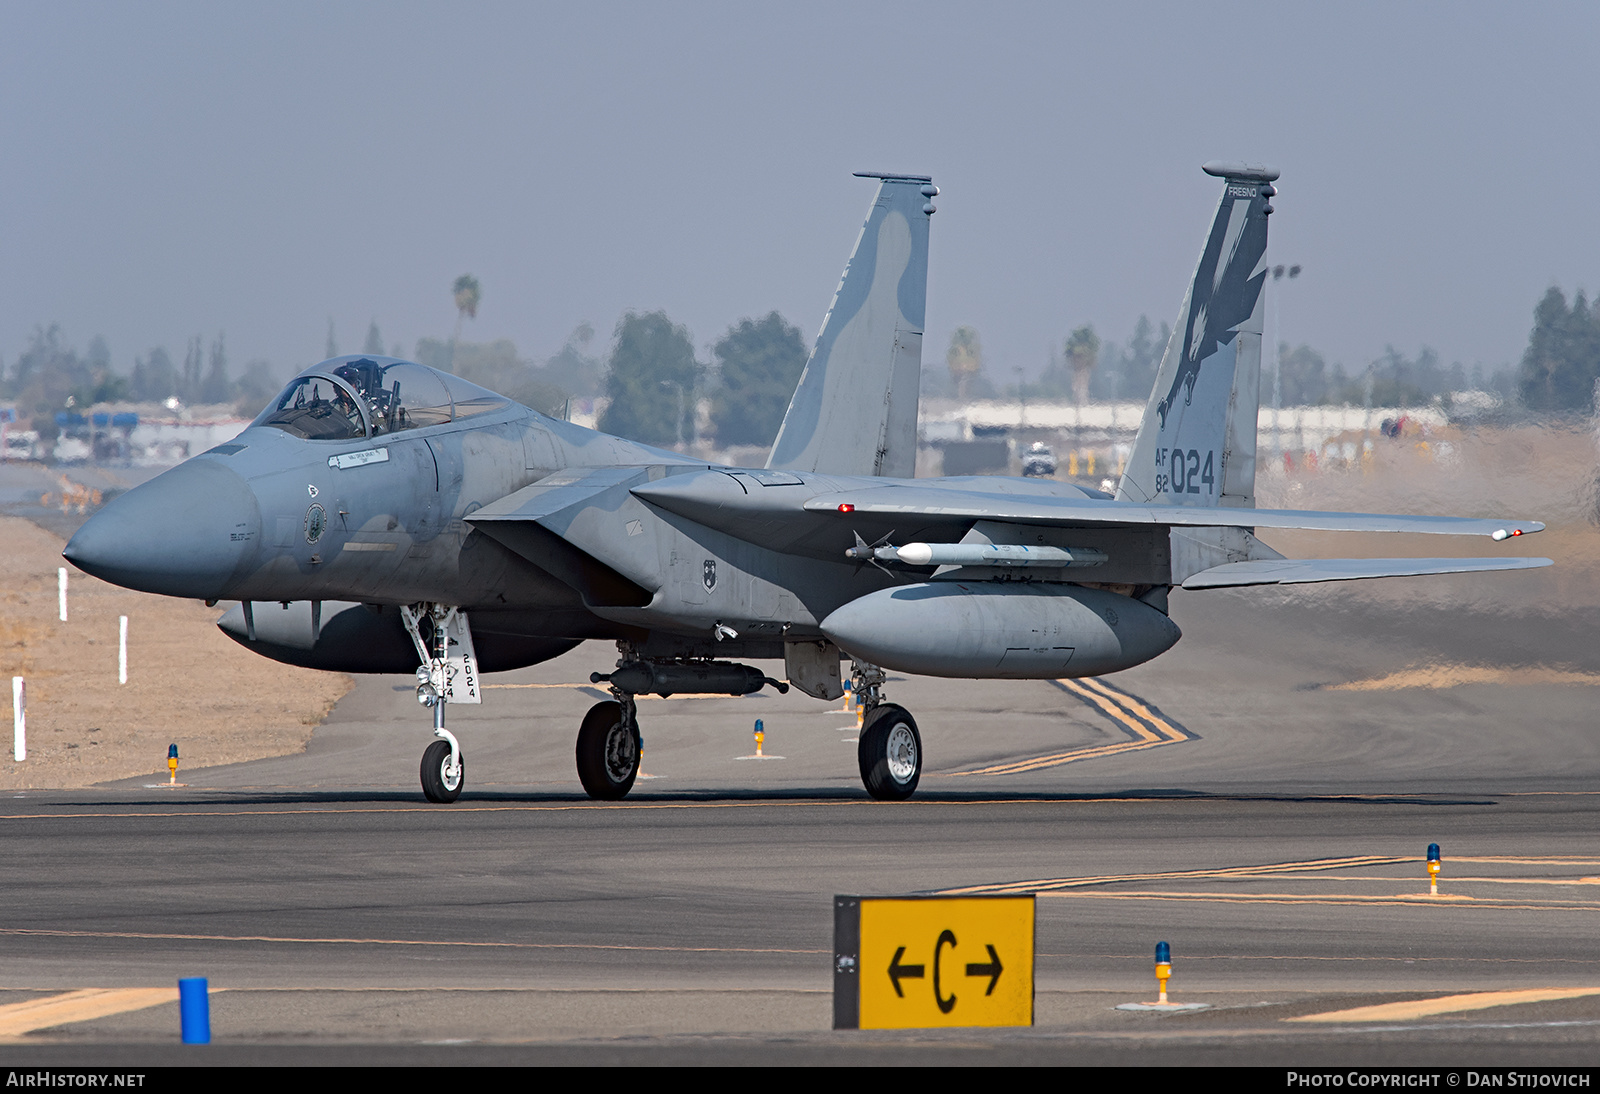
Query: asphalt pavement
[1238, 798]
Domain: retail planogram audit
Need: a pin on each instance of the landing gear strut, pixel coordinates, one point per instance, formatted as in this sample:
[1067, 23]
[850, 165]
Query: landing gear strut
[444, 769]
[890, 749]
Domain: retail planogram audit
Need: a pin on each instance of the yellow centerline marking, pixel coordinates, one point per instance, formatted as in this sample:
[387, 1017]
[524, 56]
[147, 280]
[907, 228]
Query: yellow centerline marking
[1148, 728]
[1227, 872]
[1329, 899]
[17, 1019]
[1538, 860]
[51, 932]
[436, 811]
[1448, 1004]
[1458, 880]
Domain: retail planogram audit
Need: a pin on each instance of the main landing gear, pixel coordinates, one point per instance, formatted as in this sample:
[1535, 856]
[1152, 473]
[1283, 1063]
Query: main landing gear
[609, 741]
[890, 748]
[608, 748]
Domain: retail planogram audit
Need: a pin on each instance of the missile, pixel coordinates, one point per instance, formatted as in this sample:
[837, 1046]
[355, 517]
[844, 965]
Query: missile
[1006, 555]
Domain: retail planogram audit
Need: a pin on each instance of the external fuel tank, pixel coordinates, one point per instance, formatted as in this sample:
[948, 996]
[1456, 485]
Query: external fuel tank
[1008, 630]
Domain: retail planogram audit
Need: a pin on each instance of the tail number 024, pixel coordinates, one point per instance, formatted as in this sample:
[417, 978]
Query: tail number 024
[1185, 471]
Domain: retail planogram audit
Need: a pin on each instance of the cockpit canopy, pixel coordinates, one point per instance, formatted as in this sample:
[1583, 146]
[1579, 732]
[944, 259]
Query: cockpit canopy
[360, 396]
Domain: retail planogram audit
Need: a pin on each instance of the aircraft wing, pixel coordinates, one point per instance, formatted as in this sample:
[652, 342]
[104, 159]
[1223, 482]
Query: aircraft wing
[1291, 571]
[915, 501]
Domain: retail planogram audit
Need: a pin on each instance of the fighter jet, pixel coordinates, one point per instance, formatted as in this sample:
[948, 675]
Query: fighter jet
[380, 516]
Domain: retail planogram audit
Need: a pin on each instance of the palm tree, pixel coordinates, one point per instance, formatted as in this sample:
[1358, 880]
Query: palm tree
[964, 358]
[1083, 352]
[467, 295]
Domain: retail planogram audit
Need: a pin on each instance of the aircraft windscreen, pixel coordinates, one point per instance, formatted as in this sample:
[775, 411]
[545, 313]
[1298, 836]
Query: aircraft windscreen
[317, 408]
[361, 397]
[366, 396]
[469, 398]
[399, 395]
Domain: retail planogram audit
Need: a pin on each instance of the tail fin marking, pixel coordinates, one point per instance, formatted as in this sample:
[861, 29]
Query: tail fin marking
[870, 342]
[1197, 443]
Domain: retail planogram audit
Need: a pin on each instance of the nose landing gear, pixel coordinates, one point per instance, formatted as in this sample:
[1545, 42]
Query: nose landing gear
[448, 673]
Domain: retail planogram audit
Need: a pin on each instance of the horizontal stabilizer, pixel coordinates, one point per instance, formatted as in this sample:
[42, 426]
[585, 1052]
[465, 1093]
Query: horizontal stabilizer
[1299, 571]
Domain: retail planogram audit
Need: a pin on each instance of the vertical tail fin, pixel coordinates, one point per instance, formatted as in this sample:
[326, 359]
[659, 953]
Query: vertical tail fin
[1197, 443]
[871, 342]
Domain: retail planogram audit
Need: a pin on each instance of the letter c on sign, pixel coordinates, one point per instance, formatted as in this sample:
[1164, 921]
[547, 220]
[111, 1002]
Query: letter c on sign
[945, 1005]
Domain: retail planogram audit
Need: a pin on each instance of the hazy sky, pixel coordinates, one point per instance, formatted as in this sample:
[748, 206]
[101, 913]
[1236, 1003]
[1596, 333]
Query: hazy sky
[171, 169]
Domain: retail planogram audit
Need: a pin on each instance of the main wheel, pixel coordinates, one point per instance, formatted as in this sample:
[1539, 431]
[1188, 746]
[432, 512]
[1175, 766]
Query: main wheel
[441, 782]
[608, 752]
[890, 753]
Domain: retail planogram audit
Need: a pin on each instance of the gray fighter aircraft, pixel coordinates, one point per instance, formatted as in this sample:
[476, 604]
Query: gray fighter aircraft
[380, 516]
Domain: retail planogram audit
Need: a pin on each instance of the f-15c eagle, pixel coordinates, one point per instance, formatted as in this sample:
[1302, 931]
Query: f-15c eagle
[380, 516]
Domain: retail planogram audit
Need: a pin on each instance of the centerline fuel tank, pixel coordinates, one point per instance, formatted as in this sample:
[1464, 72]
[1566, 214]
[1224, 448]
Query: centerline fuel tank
[1024, 631]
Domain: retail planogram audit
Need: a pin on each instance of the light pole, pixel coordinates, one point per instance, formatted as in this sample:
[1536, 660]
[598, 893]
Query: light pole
[1278, 273]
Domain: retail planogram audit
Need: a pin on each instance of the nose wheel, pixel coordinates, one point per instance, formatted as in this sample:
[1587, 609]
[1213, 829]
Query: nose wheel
[608, 749]
[442, 780]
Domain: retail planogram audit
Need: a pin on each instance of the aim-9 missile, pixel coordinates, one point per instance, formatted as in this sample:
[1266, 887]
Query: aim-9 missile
[977, 554]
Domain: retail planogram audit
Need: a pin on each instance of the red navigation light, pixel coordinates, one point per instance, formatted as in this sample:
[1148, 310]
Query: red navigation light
[846, 507]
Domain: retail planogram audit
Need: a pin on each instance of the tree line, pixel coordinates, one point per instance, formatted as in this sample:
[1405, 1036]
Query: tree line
[651, 377]
[653, 380]
[1558, 372]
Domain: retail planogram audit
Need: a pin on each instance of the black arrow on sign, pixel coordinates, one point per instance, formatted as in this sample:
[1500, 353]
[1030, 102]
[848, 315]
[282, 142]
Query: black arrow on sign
[992, 970]
[909, 972]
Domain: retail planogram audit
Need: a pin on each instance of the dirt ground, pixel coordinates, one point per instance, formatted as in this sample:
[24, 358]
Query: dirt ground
[188, 683]
[1545, 474]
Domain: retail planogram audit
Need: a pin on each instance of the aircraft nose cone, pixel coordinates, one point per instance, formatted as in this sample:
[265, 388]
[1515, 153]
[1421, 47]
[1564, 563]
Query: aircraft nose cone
[186, 533]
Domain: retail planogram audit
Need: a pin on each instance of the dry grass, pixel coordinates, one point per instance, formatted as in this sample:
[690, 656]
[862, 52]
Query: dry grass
[188, 683]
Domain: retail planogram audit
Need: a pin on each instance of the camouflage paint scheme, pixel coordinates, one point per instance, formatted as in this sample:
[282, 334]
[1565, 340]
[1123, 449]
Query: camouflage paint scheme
[545, 533]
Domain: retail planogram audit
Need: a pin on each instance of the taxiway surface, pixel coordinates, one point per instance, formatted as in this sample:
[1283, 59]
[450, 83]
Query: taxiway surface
[1260, 797]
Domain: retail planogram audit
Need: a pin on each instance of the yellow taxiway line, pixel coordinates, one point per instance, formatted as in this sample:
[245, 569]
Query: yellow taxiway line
[1448, 1004]
[1147, 728]
[17, 1019]
[1043, 885]
[152, 936]
[1333, 899]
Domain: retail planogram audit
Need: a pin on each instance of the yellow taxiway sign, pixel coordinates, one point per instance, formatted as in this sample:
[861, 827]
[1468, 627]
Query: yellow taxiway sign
[919, 962]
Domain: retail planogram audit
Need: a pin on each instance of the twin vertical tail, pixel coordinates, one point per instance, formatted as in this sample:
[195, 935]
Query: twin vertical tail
[1197, 442]
[855, 409]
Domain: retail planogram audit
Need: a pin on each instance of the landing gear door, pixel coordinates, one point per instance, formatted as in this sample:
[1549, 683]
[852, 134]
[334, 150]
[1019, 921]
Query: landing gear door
[813, 667]
[461, 684]
[456, 677]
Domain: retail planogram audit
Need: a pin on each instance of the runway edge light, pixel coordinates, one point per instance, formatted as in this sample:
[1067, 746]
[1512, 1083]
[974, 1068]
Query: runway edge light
[1433, 869]
[922, 962]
